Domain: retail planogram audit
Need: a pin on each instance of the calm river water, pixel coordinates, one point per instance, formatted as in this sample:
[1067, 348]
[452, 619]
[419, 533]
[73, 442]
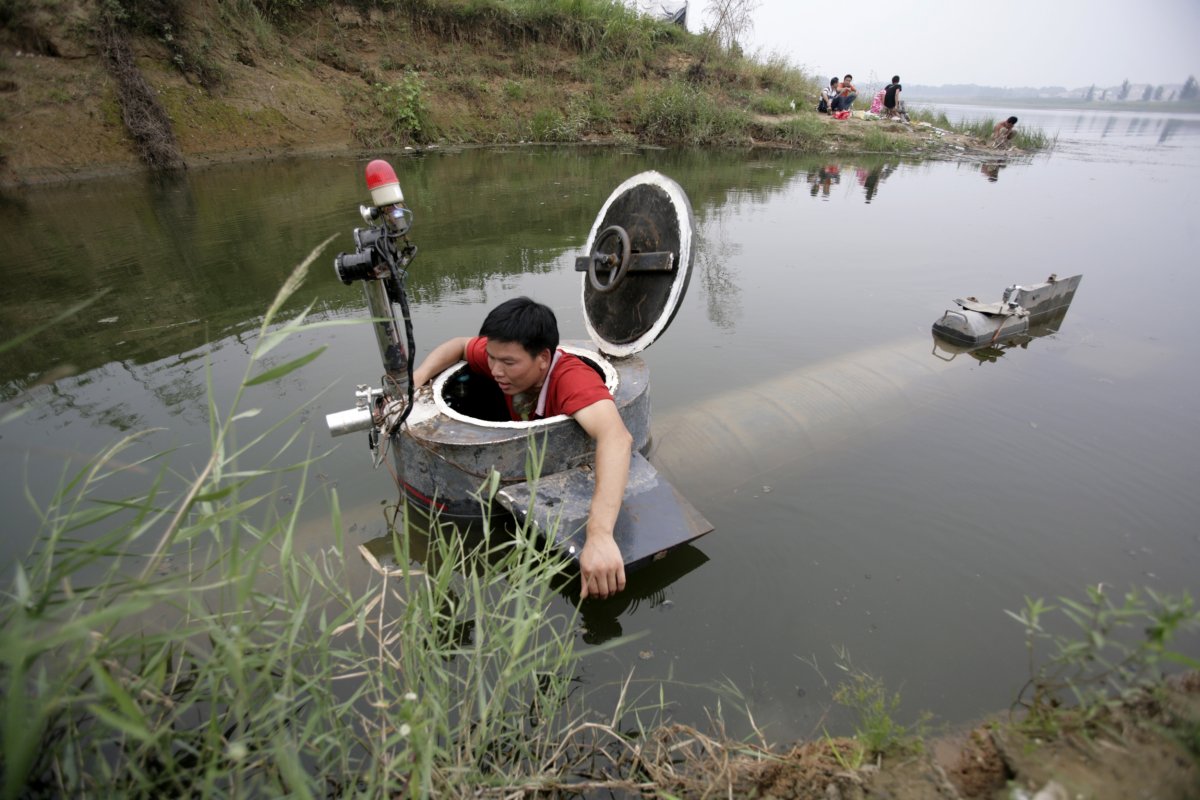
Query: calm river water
[927, 496]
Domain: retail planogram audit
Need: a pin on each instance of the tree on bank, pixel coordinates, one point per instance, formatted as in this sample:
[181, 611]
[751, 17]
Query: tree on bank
[1190, 90]
[730, 20]
[1124, 93]
[1147, 93]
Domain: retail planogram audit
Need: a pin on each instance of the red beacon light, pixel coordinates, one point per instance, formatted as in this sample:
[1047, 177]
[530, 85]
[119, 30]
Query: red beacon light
[387, 200]
[383, 184]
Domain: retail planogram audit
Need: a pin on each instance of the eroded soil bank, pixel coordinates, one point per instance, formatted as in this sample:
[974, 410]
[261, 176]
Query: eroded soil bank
[1147, 748]
[345, 80]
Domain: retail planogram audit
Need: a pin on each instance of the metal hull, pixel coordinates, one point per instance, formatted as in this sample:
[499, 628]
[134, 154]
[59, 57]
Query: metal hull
[443, 458]
[975, 324]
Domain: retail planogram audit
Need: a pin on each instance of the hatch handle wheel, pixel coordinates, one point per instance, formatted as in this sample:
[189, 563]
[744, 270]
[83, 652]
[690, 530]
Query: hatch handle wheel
[609, 260]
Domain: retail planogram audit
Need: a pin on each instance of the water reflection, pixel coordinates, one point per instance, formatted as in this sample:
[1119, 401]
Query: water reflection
[1169, 129]
[992, 352]
[717, 257]
[868, 174]
[600, 620]
[870, 178]
[824, 179]
[991, 170]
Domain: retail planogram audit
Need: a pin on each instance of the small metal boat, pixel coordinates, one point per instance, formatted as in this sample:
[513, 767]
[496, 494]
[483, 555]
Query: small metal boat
[1022, 308]
[453, 447]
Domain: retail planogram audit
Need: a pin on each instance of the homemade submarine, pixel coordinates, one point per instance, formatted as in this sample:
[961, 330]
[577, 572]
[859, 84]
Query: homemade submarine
[1022, 314]
[451, 444]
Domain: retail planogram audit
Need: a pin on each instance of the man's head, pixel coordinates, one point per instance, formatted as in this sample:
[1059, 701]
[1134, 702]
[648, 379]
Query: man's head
[848, 77]
[1012, 121]
[895, 79]
[833, 81]
[522, 337]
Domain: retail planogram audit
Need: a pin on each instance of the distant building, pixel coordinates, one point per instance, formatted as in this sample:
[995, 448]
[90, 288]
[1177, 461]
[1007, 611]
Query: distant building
[666, 10]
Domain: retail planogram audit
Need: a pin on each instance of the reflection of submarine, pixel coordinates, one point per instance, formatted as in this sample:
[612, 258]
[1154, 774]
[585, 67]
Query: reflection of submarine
[448, 442]
[990, 352]
[600, 618]
[1023, 313]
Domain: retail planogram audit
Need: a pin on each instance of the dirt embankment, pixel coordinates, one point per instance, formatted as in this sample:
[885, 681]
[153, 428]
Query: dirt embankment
[62, 119]
[1147, 748]
[234, 87]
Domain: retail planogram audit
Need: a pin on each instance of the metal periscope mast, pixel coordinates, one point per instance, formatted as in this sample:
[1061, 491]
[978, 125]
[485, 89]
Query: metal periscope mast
[452, 438]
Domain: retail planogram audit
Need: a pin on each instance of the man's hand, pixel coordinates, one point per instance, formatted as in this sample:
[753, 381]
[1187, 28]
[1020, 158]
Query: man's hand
[600, 563]
[601, 568]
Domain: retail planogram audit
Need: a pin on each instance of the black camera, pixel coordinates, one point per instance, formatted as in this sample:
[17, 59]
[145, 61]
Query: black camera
[359, 265]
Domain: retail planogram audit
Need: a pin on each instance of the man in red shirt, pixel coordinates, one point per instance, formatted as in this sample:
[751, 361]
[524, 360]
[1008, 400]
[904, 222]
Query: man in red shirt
[518, 347]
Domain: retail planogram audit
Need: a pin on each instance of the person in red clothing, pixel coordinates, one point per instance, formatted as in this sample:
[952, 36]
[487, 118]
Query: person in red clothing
[517, 346]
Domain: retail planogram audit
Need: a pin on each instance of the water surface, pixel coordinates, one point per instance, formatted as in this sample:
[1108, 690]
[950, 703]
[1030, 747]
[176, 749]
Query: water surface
[926, 498]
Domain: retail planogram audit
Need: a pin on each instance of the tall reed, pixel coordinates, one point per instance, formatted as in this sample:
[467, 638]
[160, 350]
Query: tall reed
[184, 642]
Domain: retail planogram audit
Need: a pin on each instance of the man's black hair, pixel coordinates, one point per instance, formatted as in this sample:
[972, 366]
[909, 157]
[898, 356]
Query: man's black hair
[1012, 120]
[833, 81]
[524, 321]
[895, 79]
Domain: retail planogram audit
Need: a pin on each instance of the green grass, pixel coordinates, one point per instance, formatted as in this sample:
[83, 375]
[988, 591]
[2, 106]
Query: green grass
[1118, 646]
[805, 132]
[775, 105]
[183, 641]
[678, 112]
[1026, 138]
[875, 140]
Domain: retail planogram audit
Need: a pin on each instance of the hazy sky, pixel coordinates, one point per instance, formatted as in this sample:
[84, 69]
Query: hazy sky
[1068, 43]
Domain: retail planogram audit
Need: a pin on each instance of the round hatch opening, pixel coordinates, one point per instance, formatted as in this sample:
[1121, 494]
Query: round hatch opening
[470, 397]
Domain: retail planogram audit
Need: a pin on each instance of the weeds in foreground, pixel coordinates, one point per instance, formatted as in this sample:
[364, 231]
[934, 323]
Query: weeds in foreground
[876, 731]
[1118, 649]
[188, 641]
[185, 641]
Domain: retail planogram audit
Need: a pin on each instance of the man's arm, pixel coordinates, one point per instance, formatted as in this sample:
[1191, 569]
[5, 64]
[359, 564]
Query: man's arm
[444, 355]
[600, 564]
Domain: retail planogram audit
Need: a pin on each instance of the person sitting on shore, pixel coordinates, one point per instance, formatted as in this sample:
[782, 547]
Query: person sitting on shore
[827, 94]
[877, 102]
[891, 98]
[1003, 133]
[846, 93]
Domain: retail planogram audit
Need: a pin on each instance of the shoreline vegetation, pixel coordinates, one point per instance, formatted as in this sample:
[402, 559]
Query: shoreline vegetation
[177, 641]
[94, 88]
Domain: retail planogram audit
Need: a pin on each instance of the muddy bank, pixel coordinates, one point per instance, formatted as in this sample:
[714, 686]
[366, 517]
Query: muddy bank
[1148, 747]
[340, 80]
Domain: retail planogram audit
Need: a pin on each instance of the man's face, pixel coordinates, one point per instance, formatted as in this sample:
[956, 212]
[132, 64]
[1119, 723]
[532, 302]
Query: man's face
[513, 369]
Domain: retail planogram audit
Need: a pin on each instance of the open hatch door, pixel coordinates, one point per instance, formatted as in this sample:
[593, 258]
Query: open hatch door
[637, 269]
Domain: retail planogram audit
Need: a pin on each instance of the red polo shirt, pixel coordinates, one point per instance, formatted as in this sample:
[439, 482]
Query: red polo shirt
[570, 386]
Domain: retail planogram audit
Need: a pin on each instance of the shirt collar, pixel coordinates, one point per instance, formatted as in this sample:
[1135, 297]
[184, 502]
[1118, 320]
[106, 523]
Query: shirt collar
[540, 411]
